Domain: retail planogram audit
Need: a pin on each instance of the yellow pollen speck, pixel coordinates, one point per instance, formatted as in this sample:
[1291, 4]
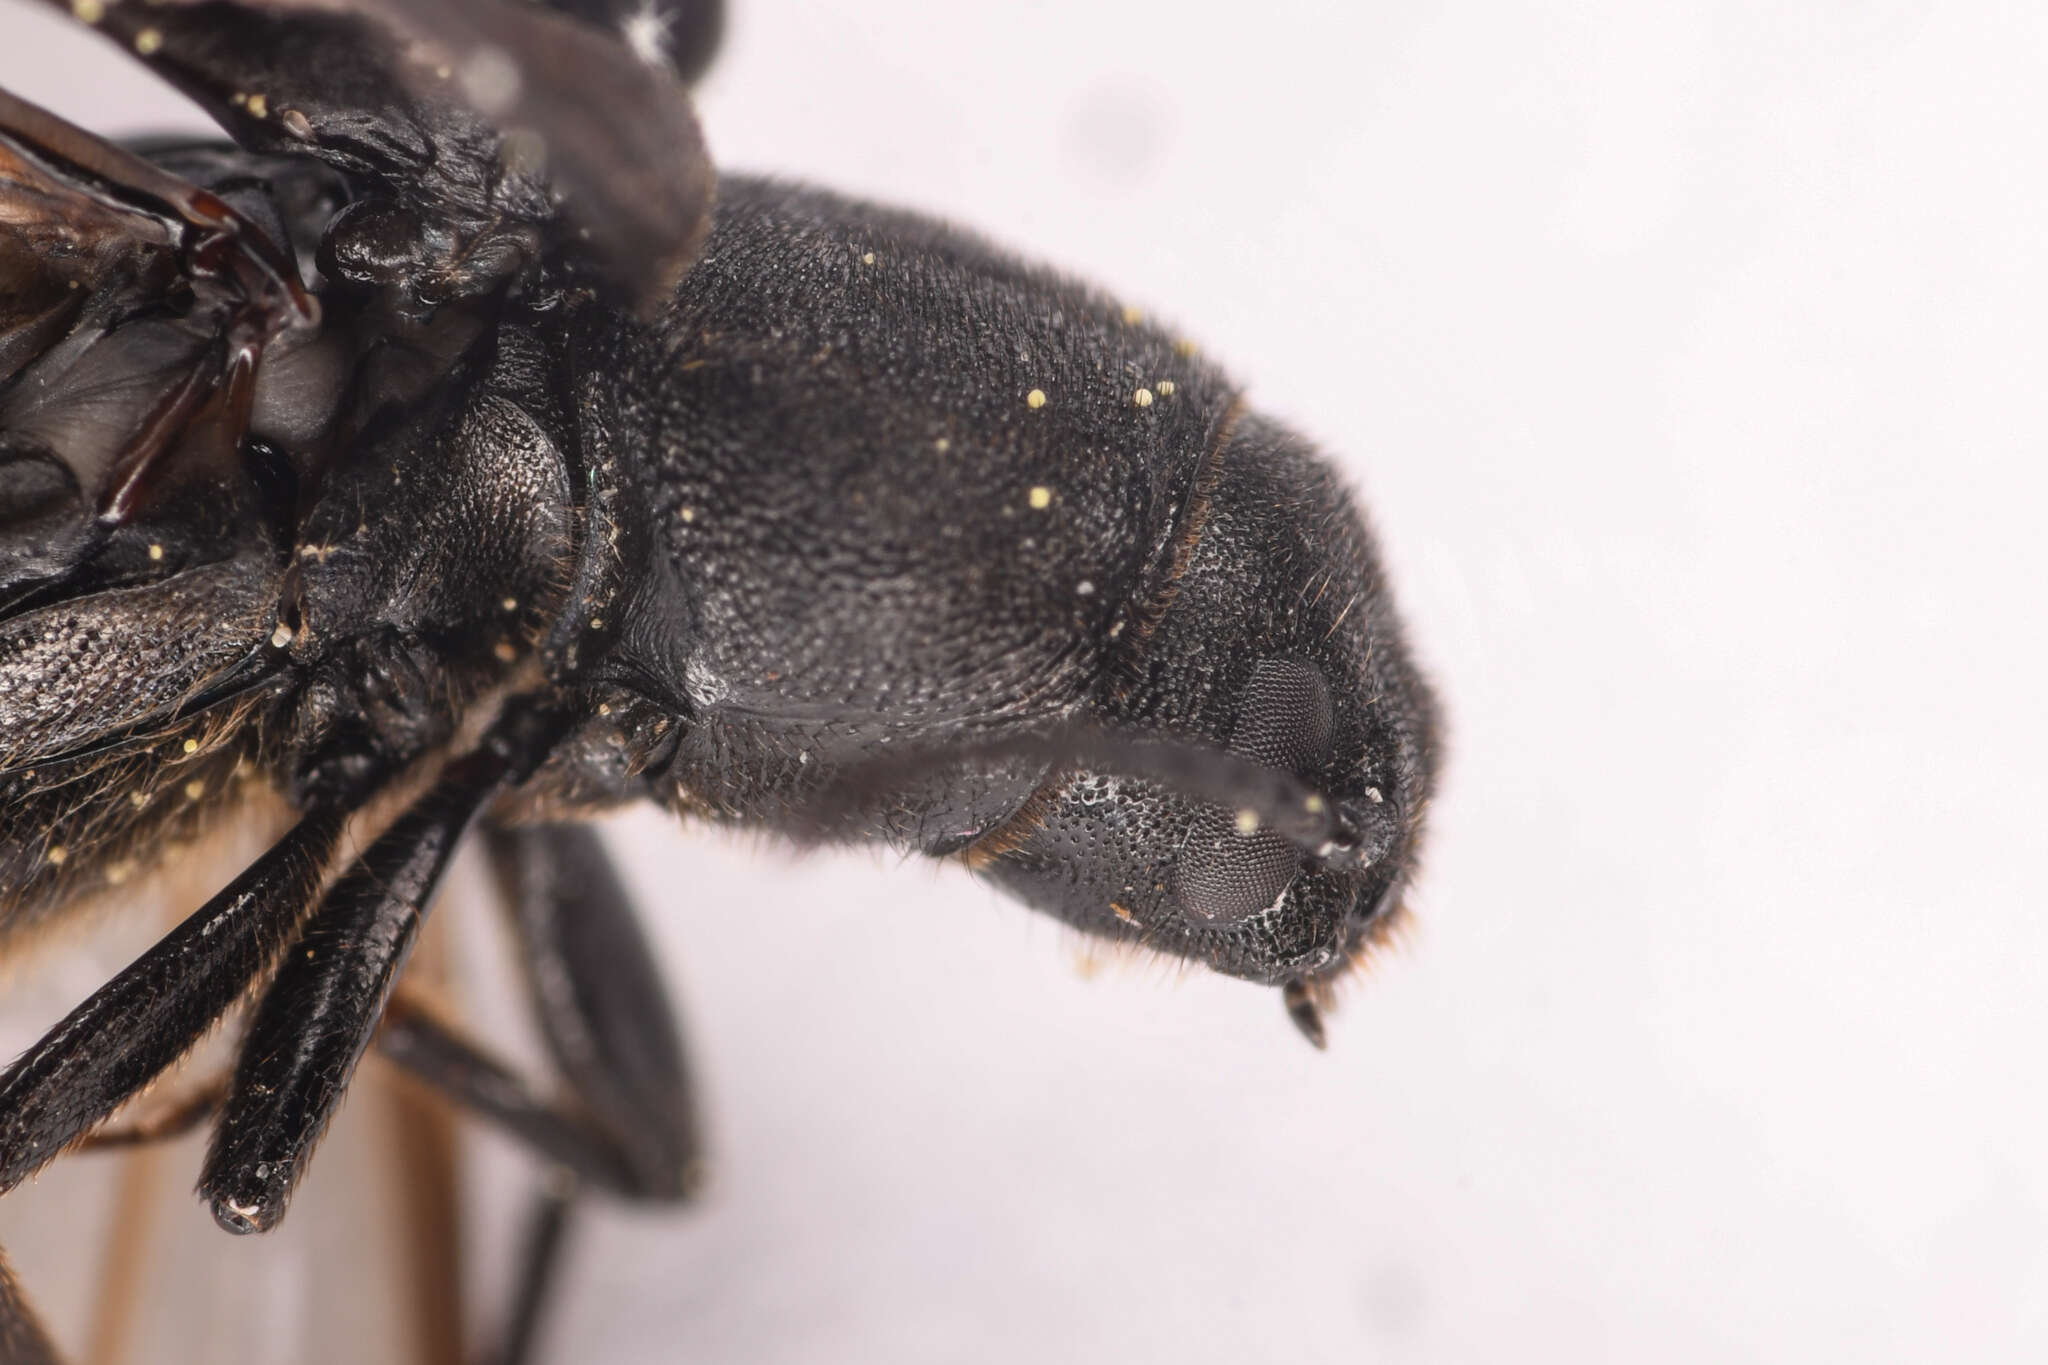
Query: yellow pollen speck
[57, 854]
[191, 746]
[238, 99]
[194, 789]
[604, 708]
[156, 552]
[942, 445]
[868, 259]
[148, 41]
[118, 873]
[1247, 822]
[1143, 398]
[138, 799]
[1041, 498]
[258, 106]
[1183, 347]
[88, 11]
[504, 651]
[1313, 805]
[1035, 398]
[510, 604]
[1132, 317]
[597, 623]
[688, 514]
[280, 637]
[1166, 388]
[1117, 909]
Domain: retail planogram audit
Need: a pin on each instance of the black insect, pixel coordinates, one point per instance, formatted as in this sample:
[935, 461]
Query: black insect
[437, 454]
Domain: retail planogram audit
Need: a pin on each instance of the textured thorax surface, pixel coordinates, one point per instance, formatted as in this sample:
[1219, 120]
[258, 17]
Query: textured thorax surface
[905, 484]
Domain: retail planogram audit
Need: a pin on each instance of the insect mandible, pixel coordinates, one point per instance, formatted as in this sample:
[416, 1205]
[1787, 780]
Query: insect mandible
[454, 450]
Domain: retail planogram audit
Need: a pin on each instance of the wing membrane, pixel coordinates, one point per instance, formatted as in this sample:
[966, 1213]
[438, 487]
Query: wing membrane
[468, 113]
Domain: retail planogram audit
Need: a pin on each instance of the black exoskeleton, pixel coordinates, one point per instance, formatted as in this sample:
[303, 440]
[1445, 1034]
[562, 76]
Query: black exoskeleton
[898, 492]
[439, 434]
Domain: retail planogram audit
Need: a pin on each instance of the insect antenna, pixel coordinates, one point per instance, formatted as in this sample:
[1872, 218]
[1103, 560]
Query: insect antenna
[1262, 797]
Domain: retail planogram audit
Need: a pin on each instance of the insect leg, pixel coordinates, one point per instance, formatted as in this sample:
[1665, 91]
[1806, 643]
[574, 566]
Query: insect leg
[157, 1008]
[22, 1338]
[171, 1122]
[599, 1000]
[631, 1127]
[583, 1153]
[324, 1003]
[540, 1258]
[436, 1052]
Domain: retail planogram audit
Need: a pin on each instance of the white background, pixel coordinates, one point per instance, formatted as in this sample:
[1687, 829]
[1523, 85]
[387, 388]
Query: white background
[1689, 358]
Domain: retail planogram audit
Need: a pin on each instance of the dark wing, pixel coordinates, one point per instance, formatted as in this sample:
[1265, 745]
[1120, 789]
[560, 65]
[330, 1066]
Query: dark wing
[134, 307]
[476, 118]
[67, 251]
[684, 34]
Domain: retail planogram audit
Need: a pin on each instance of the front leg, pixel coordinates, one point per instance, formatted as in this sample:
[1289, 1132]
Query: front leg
[323, 1006]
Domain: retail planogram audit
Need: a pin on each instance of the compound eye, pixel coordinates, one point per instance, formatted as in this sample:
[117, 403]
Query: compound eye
[1286, 722]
